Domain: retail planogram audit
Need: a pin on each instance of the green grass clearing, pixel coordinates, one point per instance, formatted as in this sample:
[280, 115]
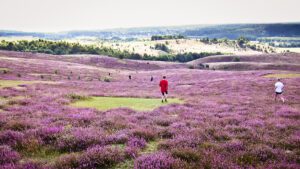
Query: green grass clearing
[16, 83]
[127, 164]
[4, 69]
[288, 75]
[106, 103]
[42, 155]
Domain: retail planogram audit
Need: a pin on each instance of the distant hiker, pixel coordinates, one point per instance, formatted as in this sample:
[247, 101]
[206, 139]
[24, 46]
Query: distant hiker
[129, 77]
[163, 84]
[279, 90]
[108, 74]
[151, 78]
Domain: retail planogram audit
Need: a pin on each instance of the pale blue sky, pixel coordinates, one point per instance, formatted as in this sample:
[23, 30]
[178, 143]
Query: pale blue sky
[61, 15]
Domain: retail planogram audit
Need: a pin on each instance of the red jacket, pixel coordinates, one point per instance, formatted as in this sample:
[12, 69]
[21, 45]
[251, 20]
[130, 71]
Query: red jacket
[163, 85]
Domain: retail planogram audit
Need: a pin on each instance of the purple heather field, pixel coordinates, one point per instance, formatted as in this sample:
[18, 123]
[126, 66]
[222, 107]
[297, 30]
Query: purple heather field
[229, 119]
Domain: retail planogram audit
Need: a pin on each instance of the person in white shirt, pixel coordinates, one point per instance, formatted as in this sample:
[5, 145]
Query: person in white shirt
[279, 90]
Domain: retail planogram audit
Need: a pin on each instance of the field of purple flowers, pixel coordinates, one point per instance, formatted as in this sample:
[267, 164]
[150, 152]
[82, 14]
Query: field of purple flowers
[229, 118]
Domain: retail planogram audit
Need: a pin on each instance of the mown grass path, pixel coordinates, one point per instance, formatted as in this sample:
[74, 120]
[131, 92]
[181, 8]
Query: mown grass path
[106, 103]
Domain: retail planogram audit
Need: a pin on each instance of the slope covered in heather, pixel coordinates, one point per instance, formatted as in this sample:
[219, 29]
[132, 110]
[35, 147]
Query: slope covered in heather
[228, 119]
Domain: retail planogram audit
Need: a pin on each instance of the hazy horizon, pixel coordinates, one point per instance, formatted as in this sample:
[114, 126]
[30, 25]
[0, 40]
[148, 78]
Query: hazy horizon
[68, 15]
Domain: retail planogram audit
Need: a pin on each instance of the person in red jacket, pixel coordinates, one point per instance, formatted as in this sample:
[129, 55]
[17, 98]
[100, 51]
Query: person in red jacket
[163, 84]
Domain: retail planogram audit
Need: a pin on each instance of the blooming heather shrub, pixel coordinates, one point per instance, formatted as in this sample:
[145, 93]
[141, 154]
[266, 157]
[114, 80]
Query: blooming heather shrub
[8, 166]
[80, 139]
[49, 134]
[18, 125]
[215, 160]
[101, 157]
[254, 123]
[131, 152]
[283, 165]
[112, 125]
[67, 161]
[136, 142]
[2, 120]
[166, 134]
[12, 138]
[234, 146]
[294, 140]
[264, 153]
[288, 112]
[182, 141]
[82, 119]
[31, 145]
[163, 122]
[7, 155]
[221, 135]
[159, 160]
[258, 155]
[144, 133]
[186, 154]
[118, 138]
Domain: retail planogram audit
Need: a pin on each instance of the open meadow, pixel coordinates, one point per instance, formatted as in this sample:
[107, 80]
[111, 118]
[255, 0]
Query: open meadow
[83, 112]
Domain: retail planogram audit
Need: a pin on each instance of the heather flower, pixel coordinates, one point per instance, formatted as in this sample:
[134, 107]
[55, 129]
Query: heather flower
[12, 138]
[186, 154]
[182, 141]
[18, 125]
[144, 133]
[7, 155]
[120, 137]
[288, 112]
[80, 139]
[67, 161]
[283, 165]
[131, 152]
[8, 166]
[254, 123]
[101, 157]
[234, 146]
[49, 134]
[159, 160]
[264, 153]
[137, 142]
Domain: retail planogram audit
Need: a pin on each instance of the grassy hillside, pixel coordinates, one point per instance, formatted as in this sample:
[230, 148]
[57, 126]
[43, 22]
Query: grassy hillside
[283, 61]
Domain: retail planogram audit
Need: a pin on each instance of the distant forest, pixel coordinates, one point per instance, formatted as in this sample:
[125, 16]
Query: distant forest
[230, 31]
[64, 48]
[250, 31]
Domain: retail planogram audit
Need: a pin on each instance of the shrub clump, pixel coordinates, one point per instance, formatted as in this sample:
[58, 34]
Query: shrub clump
[159, 160]
[67, 161]
[7, 155]
[148, 135]
[76, 97]
[186, 154]
[101, 157]
[80, 139]
[11, 138]
[137, 143]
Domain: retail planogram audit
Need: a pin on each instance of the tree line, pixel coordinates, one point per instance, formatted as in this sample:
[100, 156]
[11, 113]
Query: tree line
[64, 48]
[166, 37]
